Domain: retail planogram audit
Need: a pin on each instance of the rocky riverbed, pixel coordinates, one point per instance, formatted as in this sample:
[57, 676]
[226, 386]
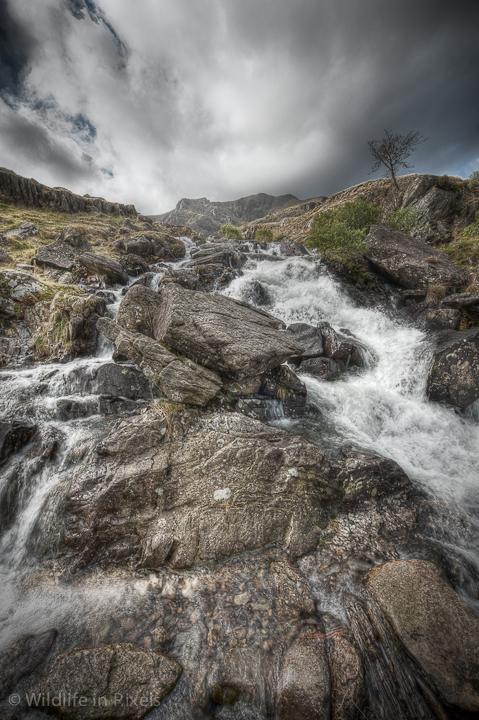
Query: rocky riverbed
[236, 487]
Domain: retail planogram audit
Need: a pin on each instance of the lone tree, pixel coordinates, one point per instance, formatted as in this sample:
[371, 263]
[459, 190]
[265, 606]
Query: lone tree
[392, 151]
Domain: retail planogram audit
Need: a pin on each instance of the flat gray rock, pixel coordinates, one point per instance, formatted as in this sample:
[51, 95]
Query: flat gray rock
[223, 334]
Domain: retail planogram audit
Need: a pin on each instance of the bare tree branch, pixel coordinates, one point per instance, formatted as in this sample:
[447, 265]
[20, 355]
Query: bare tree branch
[392, 151]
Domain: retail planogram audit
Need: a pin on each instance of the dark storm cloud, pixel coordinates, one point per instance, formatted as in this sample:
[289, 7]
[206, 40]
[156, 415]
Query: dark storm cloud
[16, 46]
[53, 158]
[232, 97]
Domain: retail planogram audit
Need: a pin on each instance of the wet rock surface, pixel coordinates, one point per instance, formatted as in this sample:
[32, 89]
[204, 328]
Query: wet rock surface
[223, 334]
[117, 681]
[111, 379]
[181, 380]
[22, 657]
[434, 624]
[408, 261]
[138, 309]
[13, 436]
[453, 377]
[215, 485]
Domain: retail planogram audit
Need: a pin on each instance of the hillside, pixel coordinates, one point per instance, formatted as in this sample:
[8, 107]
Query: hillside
[207, 217]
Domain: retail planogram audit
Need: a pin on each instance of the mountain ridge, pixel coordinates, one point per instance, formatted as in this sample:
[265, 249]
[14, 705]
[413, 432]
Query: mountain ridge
[208, 216]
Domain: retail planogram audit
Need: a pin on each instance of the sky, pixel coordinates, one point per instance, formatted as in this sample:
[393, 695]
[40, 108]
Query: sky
[150, 101]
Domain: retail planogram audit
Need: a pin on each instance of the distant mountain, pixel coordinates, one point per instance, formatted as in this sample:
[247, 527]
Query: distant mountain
[207, 217]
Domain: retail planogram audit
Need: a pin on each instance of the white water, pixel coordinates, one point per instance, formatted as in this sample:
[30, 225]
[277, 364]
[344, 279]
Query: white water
[384, 408]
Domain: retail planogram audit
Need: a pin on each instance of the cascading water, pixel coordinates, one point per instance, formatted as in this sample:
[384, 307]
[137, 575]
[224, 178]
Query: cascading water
[382, 408]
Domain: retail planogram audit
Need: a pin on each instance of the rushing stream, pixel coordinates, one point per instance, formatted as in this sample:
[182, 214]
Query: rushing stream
[382, 408]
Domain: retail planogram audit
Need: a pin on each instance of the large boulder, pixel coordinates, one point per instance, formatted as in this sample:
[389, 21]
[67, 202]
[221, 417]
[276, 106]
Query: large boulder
[409, 262]
[138, 309]
[434, 624]
[154, 246]
[104, 266]
[290, 248]
[326, 353]
[133, 265]
[304, 691]
[181, 380]
[183, 486]
[221, 333]
[13, 436]
[454, 374]
[224, 254]
[62, 253]
[111, 681]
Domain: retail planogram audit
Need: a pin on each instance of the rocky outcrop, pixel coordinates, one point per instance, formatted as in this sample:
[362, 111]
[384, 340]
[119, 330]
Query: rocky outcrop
[138, 309]
[104, 266]
[224, 254]
[22, 657]
[180, 380]
[111, 681]
[62, 253]
[13, 436]
[186, 487]
[365, 476]
[30, 193]
[327, 353]
[22, 232]
[454, 376]
[409, 262]
[70, 325]
[431, 317]
[207, 217]
[290, 248]
[252, 396]
[154, 246]
[434, 624]
[223, 334]
[19, 284]
[133, 265]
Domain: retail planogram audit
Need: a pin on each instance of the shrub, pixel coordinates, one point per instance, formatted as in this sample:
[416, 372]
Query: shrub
[231, 232]
[344, 228]
[403, 220]
[263, 233]
[474, 180]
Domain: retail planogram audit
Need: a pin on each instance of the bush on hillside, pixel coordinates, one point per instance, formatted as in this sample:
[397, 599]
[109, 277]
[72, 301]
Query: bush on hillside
[263, 233]
[231, 232]
[403, 220]
[345, 228]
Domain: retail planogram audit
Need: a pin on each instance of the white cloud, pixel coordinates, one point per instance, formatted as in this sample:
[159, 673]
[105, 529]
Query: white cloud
[225, 98]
